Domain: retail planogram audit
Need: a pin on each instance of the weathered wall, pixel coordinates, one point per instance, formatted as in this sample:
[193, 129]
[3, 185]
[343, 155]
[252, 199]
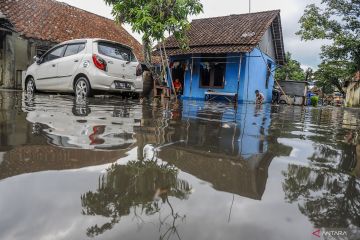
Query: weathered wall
[266, 44]
[353, 95]
[21, 53]
[294, 88]
[22, 58]
[8, 62]
[16, 56]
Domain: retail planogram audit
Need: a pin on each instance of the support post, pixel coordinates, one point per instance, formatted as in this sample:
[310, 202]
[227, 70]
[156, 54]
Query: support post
[167, 64]
[191, 75]
[239, 77]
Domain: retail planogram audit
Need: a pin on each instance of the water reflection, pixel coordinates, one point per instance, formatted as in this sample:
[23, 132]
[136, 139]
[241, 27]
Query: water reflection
[139, 187]
[162, 170]
[327, 188]
[78, 123]
[219, 144]
[14, 129]
[328, 198]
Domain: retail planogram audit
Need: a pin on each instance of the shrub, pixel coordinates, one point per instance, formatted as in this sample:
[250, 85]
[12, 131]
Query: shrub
[314, 100]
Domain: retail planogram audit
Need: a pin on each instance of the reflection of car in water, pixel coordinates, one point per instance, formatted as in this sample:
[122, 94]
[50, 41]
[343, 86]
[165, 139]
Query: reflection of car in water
[72, 123]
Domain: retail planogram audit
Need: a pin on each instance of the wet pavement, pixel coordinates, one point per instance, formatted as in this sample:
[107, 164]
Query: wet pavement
[107, 168]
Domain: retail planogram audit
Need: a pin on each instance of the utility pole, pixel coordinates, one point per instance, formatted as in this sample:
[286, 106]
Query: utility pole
[249, 6]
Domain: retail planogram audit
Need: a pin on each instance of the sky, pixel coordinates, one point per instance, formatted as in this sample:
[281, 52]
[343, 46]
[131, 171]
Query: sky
[307, 53]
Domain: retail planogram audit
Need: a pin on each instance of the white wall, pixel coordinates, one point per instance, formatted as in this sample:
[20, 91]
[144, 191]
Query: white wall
[267, 45]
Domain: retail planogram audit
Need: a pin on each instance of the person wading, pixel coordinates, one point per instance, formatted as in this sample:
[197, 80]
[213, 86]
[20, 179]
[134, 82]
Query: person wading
[259, 97]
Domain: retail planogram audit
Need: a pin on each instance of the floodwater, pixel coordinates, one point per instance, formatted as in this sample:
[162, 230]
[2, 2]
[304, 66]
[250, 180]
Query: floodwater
[108, 168]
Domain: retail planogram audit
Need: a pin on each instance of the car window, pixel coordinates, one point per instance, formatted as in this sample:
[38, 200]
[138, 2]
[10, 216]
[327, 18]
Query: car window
[54, 54]
[81, 47]
[115, 51]
[74, 49]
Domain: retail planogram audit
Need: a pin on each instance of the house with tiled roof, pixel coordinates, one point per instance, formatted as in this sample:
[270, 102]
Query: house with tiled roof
[30, 27]
[229, 55]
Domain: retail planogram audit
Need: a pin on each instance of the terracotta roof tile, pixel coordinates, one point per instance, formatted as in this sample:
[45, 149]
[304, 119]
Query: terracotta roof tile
[234, 33]
[53, 21]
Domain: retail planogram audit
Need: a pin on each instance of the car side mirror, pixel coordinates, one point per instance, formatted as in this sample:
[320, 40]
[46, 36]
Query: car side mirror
[37, 59]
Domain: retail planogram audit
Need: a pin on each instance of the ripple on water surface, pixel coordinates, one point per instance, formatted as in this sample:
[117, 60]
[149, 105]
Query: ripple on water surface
[107, 168]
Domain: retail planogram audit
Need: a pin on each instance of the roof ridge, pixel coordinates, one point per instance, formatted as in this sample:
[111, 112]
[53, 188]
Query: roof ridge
[239, 14]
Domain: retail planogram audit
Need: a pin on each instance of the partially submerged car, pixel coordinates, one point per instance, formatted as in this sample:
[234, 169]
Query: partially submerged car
[83, 66]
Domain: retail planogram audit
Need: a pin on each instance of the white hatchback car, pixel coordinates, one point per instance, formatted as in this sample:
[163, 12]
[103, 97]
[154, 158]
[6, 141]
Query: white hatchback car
[83, 66]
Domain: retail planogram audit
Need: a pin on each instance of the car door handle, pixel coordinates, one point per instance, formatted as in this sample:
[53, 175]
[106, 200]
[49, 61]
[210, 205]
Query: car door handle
[76, 60]
[110, 62]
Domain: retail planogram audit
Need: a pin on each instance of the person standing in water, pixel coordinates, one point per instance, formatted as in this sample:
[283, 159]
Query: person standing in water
[259, 97]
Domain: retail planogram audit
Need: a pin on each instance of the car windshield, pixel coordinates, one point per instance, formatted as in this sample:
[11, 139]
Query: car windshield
[116, 51]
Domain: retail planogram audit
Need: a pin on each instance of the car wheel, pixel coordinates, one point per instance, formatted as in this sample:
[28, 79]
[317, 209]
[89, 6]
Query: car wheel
[82, 88]
[30, 86]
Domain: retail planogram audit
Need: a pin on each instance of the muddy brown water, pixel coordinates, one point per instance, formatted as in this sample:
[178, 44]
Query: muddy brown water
[107, 168]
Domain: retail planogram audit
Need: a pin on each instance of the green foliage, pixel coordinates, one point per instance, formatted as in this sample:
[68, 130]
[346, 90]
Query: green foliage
[333, 74]
[309, 74]
[290, 71]
[339, 22]
[156, 18]
[314, 101]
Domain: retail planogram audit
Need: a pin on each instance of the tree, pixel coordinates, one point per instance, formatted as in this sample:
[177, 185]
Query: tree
[309, 74]
[155, 18]
[333, 74]
[290, 71]
[339, 22]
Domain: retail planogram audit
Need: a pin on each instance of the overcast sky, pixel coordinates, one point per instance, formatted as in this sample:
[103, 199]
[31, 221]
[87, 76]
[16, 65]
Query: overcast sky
[307, 53]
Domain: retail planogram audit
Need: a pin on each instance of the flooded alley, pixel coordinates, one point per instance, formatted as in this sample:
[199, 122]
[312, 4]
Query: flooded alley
[107, 168]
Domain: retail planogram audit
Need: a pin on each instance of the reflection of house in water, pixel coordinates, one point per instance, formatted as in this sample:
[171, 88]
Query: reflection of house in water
[230, 174]
[220, 145]
[14, 129]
